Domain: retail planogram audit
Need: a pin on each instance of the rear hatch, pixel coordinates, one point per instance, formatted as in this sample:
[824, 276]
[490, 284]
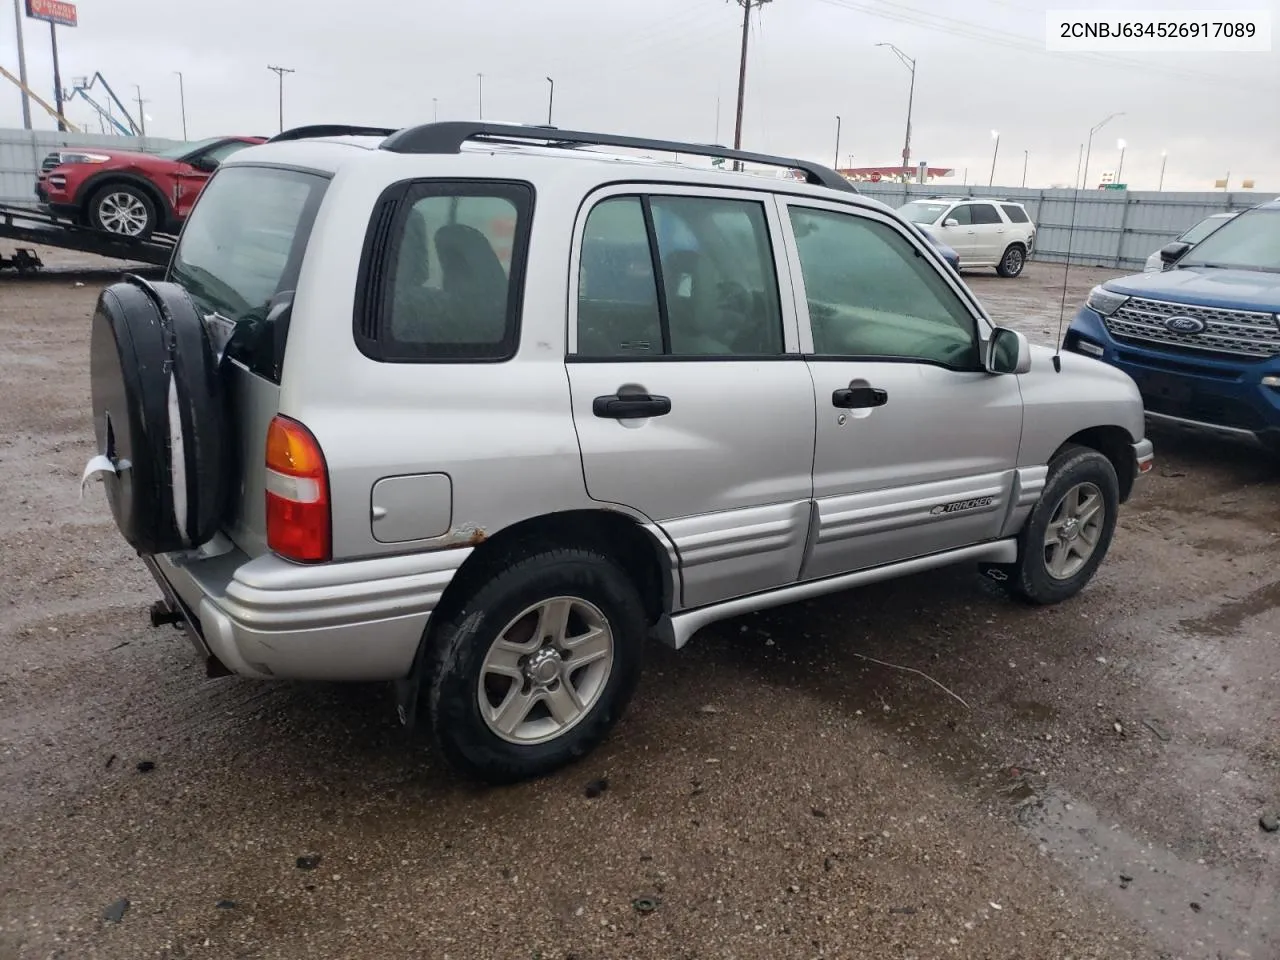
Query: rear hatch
[238, 258]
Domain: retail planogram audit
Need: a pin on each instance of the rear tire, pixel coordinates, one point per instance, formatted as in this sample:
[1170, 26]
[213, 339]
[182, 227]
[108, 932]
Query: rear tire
[123, 209]
[504, 699]
[1068, 532]
[1013, 261]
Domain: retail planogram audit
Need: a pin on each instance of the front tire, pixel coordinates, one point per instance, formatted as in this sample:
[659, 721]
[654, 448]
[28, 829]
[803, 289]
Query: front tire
[1013, 261]
[1069, 530]
[123, 209]
[537, 667]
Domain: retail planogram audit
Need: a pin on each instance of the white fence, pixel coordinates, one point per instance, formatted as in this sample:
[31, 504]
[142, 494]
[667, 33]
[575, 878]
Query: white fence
[1113, 228]
[22, 150]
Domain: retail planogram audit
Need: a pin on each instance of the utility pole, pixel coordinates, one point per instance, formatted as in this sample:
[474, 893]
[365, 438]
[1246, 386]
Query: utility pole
[22, 67]
[57, 76]
[182, 99]
[142, 113]
[1026, 155]
[837, 154]
[551, 99]
[280, 72]
[910, 64]
[1164, 158]
[995, 135]
[742, 71]
[480, 77]
[435, 109]
[1079, 158]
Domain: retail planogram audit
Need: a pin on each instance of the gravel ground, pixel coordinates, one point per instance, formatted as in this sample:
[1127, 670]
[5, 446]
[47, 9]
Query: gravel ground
[773, 792]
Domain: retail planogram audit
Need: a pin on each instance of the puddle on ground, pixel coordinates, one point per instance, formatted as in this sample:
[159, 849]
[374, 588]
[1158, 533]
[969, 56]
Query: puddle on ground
[1229, 617]
[1196, 909]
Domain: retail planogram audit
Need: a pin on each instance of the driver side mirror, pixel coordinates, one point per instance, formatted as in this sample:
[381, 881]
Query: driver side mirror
[1170, 253]
[1008, 352]
[951, 222]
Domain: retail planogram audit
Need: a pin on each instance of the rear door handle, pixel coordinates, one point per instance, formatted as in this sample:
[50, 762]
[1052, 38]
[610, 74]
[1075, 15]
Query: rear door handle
[631, 406]
[859, 398]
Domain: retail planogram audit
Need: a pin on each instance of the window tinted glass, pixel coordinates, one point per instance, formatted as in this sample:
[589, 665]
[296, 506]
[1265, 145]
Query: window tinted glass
[617, 291]
[871, 294]
[242, 246]
[717, 274]
[453, 271]
[1014, 213]
[984, 213]
[961, 215]
[713, 292]
[220, 153]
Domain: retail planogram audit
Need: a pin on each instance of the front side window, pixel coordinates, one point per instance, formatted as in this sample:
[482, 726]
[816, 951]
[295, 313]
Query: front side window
[984, 213]
[1202, 229]
[871, 294]
[960, 214]
[1250, 241]
[677, 276]
[443, 274]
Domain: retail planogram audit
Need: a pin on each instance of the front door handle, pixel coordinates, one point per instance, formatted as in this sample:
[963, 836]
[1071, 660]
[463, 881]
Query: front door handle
[859, 398]
[630, 406]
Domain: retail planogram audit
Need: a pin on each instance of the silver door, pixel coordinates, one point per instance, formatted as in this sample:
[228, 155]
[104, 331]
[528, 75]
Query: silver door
[960, 237]
[692, 403]
[989, 232]
[916, 446]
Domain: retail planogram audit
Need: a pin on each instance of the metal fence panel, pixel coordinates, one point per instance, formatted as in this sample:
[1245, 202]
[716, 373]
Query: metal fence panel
[21, 152]
[1113, 228]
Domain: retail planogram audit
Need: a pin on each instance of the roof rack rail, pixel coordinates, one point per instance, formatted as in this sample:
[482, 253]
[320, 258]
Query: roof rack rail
[331, 130]
[449, 136]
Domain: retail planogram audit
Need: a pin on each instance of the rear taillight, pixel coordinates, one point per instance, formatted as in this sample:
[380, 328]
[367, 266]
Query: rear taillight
[298, 520]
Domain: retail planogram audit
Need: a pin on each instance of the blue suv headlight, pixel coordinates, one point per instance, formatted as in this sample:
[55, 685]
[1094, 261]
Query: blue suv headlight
[1104, 301]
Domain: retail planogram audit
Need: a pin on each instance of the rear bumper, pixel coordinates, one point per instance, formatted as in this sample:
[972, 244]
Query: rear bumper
[268, 618]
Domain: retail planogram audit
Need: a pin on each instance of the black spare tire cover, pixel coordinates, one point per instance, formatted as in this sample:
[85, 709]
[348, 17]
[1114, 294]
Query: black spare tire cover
[159, 416]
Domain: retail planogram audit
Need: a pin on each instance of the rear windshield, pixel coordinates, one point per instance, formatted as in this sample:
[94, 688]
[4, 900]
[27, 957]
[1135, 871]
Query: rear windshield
[240, 253]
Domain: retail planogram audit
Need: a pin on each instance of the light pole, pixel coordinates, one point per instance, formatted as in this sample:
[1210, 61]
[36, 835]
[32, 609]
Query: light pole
[22, 67]
[182, 99]
[995, 135]
[551, 99]
[480, 77]
[1026, 155]
[910, 64]
[1120, 169]
[280, 72]
[435, 109]
[1084, 179]
[837, 163]
[1164, 158]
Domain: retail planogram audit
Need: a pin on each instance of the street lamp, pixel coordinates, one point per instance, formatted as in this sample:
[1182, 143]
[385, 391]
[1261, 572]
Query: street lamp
[995, 135]
[1026, 155]
[1120, 168]
[551, 99]
[837, 163]
[435, 108]
[480, 77]
[1164, 158]
[1084, 179]
[910, 64]
[182, 99]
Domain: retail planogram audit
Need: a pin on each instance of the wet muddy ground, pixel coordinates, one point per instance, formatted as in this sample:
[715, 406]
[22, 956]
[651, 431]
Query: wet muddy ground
[1079, 782]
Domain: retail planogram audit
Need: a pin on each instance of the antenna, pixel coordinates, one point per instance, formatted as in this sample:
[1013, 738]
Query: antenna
[1066, 270]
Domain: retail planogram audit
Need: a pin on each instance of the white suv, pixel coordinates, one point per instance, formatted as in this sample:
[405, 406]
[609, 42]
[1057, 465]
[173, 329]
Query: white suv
[476, 410]
[983, 232]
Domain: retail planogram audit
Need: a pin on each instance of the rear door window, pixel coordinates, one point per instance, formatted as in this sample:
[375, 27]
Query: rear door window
[240, 253]
[983, 213]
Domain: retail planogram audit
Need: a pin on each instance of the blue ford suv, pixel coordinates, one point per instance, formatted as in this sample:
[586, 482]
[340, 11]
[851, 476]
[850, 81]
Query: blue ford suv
[1202, 338]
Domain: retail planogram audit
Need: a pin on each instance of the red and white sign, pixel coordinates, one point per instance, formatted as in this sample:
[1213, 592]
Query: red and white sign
[54, 11]
[875, 178]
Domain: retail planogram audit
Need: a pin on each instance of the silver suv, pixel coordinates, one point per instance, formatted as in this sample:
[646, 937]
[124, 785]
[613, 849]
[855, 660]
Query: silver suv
[478, 409]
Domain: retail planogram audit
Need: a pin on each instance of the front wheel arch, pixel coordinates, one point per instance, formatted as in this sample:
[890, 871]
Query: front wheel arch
[90, 189]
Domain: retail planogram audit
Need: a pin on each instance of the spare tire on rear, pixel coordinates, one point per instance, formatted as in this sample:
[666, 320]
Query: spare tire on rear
[159, 416]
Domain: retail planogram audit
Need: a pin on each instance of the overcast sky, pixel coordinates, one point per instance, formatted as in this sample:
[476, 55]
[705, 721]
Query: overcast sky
[659, 68]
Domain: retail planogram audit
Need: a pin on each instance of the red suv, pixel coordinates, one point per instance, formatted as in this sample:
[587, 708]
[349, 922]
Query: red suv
[131, 194]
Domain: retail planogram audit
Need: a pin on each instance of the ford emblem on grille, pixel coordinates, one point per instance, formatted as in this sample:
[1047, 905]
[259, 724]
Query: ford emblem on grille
[1184, 325]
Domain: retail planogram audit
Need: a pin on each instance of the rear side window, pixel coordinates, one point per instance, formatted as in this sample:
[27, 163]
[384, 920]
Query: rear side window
[443, 273]
[984, 213]
[1015, 214]
[240, 253]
